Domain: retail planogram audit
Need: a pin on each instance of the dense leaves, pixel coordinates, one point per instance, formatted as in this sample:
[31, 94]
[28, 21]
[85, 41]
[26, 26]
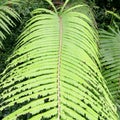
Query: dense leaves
[110, 53]
[54, 70]
[7, 14]
[56, 75]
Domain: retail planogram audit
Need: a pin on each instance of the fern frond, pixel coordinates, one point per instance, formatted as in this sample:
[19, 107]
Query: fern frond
[6, 15]
[110, 53]
[54, 73]
[113, 14]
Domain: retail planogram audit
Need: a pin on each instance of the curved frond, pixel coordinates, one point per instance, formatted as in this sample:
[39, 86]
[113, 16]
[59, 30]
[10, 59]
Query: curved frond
[6, 13]
[113, 14]
[110, 53]
[54, 73]
[1, 45]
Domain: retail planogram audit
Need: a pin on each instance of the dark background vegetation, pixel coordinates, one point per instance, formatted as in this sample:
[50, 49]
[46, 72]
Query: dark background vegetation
[98, 7]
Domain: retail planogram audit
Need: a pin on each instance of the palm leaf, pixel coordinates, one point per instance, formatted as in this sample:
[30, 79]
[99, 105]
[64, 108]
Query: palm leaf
[110, 53]
[54, 73]
[6, 16]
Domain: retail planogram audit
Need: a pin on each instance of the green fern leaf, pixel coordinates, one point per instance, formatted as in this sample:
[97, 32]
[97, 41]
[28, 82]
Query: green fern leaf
[110, 53]
[6, 13]
[54, 73]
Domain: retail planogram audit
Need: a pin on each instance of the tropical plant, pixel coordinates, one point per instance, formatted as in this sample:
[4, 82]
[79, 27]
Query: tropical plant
[7, 14]
[54, 71]
[110, 59]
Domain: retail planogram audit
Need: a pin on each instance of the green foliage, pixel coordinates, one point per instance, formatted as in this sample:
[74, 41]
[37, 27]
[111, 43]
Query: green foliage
[24, 9]
[110, 54]
[53, 68]
[56, 75]
[113, 14]
[100, 7]
[7, 14]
